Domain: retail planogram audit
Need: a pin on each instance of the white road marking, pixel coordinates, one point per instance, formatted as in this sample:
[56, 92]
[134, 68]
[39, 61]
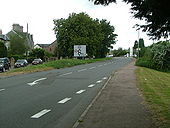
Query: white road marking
[100, 65]
[66, 74]
[81, 91]
[92, 85]
[99, 81]
[36, 81]
[82, 70]
[41, 113]
[2, 90]
[104, 78]
[64, 100]
[92, 67]
[105, 64]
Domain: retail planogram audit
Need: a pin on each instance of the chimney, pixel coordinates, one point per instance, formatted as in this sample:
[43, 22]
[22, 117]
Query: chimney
[1, 31]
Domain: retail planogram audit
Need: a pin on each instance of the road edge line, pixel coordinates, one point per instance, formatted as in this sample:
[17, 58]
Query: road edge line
[89, 106]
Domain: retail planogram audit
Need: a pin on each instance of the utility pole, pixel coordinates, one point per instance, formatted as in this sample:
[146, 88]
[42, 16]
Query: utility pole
[138, 41]
[27, 39]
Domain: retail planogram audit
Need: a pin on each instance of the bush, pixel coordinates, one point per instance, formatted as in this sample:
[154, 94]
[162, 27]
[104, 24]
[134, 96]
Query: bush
[16, 57]
[157, 56]
[161, 55]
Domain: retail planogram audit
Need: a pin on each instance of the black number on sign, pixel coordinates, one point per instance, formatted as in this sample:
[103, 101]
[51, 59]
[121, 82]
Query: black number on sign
[79, 52]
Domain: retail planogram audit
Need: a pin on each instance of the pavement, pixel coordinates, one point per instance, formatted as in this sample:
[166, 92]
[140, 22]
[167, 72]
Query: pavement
[118, 105]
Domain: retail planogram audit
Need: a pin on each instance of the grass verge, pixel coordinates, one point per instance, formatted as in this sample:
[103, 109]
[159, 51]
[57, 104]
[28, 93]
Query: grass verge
[51, 65]
[155, 87]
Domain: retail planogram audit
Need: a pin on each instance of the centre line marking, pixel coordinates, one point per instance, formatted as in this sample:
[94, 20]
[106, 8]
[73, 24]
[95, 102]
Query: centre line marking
[92, 67]
[64, 100]
[81, 91]
[41, 113]
[82, 70]
[104, 78]
[2, 90]
[92, 85]
[66, 74]
[99, 81]
[100, 65]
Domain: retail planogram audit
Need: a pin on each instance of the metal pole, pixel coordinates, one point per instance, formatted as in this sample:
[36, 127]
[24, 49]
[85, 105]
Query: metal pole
[138, 41]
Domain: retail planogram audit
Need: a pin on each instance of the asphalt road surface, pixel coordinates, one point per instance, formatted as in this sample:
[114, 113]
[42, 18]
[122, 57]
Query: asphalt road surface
[53, 99]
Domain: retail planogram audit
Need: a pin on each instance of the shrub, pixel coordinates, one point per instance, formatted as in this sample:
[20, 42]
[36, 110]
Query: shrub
[161, 55]
[157, 56]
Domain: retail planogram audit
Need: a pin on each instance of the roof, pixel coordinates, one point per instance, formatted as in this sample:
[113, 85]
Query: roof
[4, 37]
[43, 45]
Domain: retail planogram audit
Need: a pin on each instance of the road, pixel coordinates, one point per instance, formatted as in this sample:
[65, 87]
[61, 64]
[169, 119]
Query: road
[52, 99]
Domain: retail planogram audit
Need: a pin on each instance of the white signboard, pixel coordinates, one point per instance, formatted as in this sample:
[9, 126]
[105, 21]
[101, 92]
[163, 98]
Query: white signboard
[79, 50]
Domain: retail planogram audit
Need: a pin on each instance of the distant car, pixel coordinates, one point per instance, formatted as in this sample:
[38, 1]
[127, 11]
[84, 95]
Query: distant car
[4, 64]
[109, 56]
[20, 63]
[37, 61]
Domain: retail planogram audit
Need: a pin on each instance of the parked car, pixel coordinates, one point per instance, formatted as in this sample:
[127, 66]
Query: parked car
[37, 61]
[20, 63]
[4, 64]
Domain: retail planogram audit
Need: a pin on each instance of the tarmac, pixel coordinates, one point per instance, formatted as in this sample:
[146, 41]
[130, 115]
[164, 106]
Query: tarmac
[118, 105]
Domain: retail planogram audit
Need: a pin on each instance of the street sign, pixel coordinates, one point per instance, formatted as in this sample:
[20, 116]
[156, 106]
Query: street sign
[79, 50]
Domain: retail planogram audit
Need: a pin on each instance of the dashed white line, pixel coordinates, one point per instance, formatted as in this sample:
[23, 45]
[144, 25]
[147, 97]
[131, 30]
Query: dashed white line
[82, 70]
[41, 113]
[64, 100]
[2, 90]
[100, 65]
[92, 85]
[81, 91]
[99, 81]
[92, 67]
[66, 74]
[104, 78]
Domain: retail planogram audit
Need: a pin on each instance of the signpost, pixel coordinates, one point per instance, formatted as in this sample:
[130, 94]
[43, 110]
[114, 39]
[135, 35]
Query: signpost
[79, 50]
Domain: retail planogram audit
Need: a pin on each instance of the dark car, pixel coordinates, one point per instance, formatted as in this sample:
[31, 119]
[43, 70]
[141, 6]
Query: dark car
[20, 63]
[4, 64]
[37, 61]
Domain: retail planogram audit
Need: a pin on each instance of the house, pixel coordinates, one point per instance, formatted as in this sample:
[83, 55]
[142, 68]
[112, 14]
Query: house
[42, 46]
[47, 47]
[18, 30]
[5, 39]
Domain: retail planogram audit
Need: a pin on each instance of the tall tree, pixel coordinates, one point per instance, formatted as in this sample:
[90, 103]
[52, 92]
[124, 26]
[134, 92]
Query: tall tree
[155, 12]
[78, 29]
[17, 45]
[109, 38]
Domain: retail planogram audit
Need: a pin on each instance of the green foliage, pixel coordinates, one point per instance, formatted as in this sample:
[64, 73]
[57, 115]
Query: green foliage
[119, 52]
[161, 55]
[141, 47]
[80, 29]
[109, 38]
[157, 56]
[17, 44]
[38, 53]
[155, 12]
[3, 50]
[16, 57]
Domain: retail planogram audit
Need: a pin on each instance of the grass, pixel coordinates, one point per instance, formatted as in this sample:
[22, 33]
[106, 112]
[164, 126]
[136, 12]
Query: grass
[51, 65]
[155, 87]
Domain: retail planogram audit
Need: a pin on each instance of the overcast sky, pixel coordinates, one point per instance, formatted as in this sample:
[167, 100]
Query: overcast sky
[39, 14]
